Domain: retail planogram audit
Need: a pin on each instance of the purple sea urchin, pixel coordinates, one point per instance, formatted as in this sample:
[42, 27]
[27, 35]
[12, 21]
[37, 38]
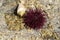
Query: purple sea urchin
[34, 18]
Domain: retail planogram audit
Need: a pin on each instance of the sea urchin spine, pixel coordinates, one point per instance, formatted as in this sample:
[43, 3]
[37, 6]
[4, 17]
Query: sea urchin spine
[34, 18]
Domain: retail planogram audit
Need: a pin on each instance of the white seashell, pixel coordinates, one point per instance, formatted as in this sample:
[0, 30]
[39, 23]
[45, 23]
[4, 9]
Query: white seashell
[21, 10]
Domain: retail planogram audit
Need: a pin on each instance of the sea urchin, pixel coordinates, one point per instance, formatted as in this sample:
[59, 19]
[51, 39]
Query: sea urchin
[34, 18]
